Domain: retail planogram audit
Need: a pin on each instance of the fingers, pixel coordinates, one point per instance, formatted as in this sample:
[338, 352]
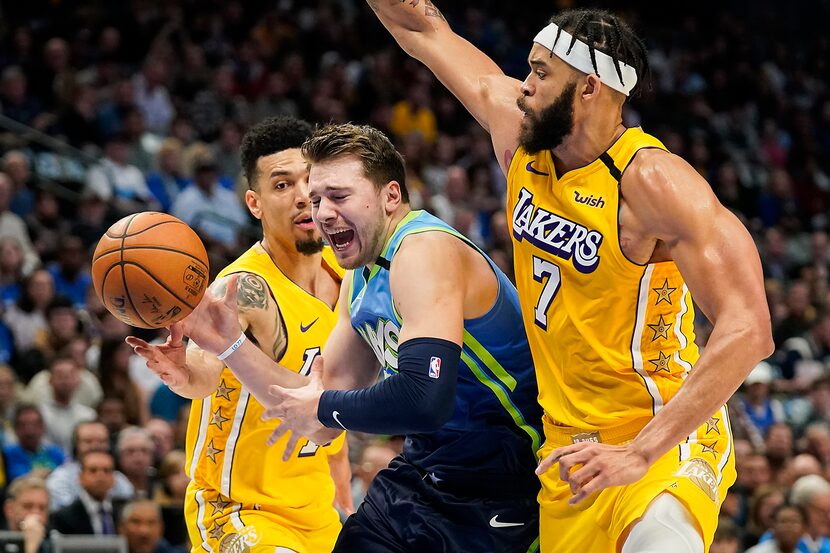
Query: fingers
[272, 413]
[230, 298]
[290, 446]
[134, 342]
[570, 460]
[278, 433]
[585, 492]
[176, 333]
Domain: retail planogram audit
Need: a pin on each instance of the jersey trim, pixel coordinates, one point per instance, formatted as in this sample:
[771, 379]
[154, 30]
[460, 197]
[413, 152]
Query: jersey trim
[233, 438]
[505, 401]
[201, 436]
[678, 332]
[636, 342]
[200, 516]
[612, 167]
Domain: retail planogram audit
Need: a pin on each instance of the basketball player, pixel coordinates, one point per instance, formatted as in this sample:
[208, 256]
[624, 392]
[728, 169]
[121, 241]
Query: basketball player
[427, 307]
[612, 235]
[242, 494]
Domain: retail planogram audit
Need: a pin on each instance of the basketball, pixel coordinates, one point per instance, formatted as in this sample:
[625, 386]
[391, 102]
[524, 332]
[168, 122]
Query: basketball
[150, 269]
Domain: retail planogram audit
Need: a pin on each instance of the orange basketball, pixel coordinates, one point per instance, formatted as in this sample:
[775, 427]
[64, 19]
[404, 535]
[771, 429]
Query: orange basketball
[150, 269]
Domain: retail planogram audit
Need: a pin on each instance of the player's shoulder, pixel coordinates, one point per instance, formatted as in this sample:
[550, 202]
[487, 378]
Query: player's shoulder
[430, 246]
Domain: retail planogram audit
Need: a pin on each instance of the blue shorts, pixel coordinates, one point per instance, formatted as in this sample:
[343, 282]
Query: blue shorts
[406, 512]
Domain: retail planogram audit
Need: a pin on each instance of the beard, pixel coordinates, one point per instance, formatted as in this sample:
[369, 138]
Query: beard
[554, 123]
[309, 247]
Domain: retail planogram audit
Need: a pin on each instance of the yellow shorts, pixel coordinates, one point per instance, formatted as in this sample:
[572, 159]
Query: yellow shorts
[217, 525]
[698, 472]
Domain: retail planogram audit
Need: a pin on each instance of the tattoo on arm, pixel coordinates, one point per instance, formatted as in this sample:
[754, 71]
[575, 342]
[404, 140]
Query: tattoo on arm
[431, 11]
[253, 293]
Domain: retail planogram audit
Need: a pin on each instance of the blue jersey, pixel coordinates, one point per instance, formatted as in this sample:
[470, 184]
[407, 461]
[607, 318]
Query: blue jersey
[495, 429]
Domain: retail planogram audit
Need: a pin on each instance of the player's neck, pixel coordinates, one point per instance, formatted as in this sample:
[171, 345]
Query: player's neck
[304, 270]
[587, 142]
[389, 229]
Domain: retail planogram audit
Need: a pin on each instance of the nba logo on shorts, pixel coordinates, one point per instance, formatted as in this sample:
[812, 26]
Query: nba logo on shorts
[435, 367]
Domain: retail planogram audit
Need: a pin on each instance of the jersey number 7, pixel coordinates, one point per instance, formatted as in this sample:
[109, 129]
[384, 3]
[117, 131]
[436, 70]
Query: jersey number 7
[549, 274]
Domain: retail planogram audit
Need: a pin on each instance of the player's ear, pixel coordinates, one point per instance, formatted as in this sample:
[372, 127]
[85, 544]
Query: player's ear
[253, 203]
[392, 195]
[591, 86]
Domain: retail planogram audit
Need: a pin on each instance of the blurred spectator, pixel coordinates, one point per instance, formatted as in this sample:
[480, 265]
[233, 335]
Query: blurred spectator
[62, 326]
[766, 499]
[92, 220]
[173, 480]
[12, 225]
[27, 318]
[816, 441]
[113, 366]
[142, 525]
[135, 459]
[8, 400]
[61, 413]
[727, 537]
[46, 225]
[151, 95]
[30, 453]
[64, 481]
[18, 104]
[788, 526]
[161, 432]
[815, 407]
[215, 212]
[88, 392]
[25, 509]
[225, 151]
[17, 167]
[69, 273]
[112, 413]
[115, 180]
[414, 114]
[755, 410]
[168, 180]
[807, 356]
[11, 269]
[811, 494]
[92, 512]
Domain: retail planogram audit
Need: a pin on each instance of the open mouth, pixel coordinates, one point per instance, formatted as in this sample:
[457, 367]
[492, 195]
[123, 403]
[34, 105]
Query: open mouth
[341, 239]
[304, 222]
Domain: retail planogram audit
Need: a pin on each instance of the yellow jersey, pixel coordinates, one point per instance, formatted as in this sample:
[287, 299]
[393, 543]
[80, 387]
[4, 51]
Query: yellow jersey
[612, 340]
[232, 470]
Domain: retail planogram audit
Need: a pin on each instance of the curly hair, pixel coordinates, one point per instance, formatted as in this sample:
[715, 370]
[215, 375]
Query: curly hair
[270, 136]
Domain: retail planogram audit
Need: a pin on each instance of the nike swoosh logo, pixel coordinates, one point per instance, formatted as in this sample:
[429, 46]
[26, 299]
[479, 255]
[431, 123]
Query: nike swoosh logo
[336, 416]
[496, 524]
[533, 170]
[306, 327]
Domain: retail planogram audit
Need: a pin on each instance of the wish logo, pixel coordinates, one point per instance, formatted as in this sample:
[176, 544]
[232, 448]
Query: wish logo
[556, 235]
[590, 201]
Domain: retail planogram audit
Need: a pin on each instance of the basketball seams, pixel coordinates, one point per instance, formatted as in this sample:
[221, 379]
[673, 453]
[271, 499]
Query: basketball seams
[124, 273]
[160, 283]
[160, 248]
[136, 233]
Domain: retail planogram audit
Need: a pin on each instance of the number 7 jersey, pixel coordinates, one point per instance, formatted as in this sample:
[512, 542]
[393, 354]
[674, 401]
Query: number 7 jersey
[612, 340]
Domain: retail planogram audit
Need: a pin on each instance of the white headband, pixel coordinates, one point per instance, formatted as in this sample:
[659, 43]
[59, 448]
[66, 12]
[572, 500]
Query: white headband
[579, 57]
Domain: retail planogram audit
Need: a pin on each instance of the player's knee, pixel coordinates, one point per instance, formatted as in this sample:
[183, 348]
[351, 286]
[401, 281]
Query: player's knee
[666, 526]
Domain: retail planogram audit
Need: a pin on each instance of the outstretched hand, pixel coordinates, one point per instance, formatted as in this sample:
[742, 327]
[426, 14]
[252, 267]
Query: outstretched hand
[167, 360]
[297, 409]
[214, 323]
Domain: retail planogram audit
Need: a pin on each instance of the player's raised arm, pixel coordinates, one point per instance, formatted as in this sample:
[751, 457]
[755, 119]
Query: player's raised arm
[475, 79]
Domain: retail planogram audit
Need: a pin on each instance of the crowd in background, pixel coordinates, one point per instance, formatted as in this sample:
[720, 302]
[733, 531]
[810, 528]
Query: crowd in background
[152, 99]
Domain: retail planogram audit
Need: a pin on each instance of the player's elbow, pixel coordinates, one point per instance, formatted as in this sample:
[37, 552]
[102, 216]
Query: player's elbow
[761, 338]
[433, 417]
